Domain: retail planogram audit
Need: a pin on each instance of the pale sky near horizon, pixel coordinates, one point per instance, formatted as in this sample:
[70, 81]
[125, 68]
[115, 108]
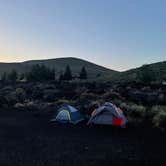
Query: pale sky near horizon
[118, 34]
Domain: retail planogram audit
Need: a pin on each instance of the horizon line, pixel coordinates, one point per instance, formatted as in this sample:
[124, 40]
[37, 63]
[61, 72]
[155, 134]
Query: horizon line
[45, 59]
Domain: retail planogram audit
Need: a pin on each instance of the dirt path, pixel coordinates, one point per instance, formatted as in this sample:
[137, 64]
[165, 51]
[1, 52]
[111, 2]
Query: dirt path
[27, 139]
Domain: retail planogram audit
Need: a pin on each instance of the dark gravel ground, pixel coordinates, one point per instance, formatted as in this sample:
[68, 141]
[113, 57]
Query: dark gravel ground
[28, 139]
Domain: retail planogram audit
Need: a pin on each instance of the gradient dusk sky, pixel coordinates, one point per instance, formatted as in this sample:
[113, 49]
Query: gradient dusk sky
[119, 34]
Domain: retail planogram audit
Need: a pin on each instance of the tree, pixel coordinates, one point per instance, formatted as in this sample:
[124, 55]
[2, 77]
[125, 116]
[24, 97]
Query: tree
[4, 76]
[61, 77]
[83, 73]
[98, 75]
[12, 76]
[40, 73]
[52, 74]
[67, 75]
[22, 76]
[34, 74]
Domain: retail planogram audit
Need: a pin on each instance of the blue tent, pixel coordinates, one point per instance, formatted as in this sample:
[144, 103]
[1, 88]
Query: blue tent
[68, 114]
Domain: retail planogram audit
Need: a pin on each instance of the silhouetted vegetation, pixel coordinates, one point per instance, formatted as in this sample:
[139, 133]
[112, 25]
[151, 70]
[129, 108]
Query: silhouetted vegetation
[22, 76]
[68, 74]
[60, 77]
[4, 77]
[9, 77]
[83, 73]
[40, 73]
[59, 65]
[98, 75]
[146, 74]
[12, 76]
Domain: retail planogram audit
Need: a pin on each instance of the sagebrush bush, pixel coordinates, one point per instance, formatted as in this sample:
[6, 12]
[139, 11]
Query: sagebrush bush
[62, 102]
[125, 106]
[133, 108]
[111, 95]
[138, 110]
[89, 96]
[155, 110]
[20, 94]
[159, 119]
[135, 113]
[117, 102]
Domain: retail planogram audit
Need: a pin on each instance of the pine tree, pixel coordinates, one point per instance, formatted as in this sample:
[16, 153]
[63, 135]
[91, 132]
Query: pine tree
[22, 76]
[52, 74]
[12, 76]
[4, 76]
[83, 73]
[60, 77]
[67, 75]
[40, 73]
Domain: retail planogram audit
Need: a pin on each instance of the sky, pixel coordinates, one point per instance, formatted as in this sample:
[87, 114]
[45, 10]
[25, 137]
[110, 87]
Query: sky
[118, 34]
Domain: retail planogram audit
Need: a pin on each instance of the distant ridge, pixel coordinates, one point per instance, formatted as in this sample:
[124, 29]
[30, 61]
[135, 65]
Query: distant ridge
[95, 72]
[130, 75]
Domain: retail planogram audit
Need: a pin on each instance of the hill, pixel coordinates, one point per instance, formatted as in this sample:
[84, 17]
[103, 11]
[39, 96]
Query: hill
[94, 71]
[131, 75]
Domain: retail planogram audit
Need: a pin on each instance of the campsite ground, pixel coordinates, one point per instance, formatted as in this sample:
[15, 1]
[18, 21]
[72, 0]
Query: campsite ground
[30, 139]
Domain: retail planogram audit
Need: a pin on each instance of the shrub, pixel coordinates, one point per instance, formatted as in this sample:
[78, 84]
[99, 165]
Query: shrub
[133, 109]
[111, 95]
[159, 119]
[117, 102]
[19, 106]
[88, 96]
[62, 102]
[138, 110]
[135, 113]
[20, 94]
[11, 98]
[3, 101]
[80, 89]
[155, 110]
[125, 106]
